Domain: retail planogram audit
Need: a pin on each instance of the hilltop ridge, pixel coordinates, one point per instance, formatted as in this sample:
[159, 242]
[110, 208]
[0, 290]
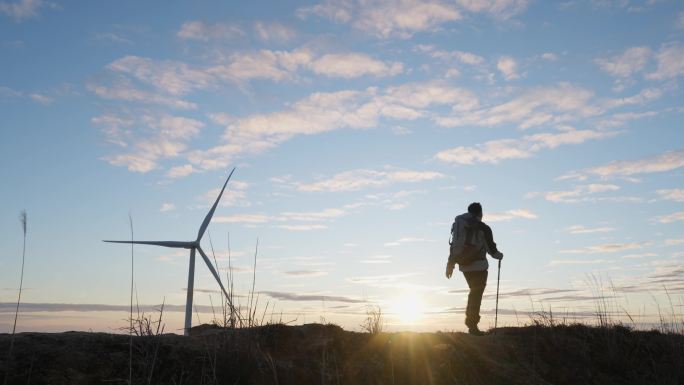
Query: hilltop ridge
[327, 354]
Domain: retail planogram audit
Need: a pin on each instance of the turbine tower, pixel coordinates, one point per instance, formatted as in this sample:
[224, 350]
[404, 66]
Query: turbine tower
[194, 246]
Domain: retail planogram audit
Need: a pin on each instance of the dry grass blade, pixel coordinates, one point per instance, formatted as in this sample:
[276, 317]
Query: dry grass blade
[23, 220]
[375, 321]
[130, 329]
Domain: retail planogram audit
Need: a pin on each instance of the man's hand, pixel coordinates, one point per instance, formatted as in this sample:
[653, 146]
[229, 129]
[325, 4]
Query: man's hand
[449, 270]
[498, 255]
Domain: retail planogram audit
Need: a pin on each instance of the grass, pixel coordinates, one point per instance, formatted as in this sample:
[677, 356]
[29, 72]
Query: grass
[23, 220]
[374, 322]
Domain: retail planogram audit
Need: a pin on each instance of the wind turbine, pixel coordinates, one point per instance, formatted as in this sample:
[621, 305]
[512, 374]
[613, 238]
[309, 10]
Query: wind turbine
[193, 246]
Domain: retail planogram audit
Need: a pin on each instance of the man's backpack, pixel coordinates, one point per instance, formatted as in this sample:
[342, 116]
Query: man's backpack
[469, 252]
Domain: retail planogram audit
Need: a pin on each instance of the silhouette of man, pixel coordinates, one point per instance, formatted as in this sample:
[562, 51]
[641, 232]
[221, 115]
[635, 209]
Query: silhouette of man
[475, 272]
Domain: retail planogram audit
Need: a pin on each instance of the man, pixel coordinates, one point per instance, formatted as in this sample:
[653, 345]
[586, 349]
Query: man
[468, 230]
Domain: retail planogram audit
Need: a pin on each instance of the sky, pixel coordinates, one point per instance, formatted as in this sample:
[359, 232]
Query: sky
[358, 130]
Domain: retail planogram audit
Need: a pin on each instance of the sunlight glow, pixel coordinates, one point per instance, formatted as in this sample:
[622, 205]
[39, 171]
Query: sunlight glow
[408, 309]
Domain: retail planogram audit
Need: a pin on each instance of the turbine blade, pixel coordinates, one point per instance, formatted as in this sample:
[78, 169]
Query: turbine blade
[176, 244]
[207, 219]
[213, 271]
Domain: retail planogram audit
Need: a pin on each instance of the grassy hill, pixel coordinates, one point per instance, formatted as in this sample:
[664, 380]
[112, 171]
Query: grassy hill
[327, 354]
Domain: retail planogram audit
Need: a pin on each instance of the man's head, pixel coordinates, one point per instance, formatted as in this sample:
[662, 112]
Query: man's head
[475, 209]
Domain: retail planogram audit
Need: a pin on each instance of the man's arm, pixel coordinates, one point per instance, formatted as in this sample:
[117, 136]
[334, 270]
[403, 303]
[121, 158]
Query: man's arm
[489, 237]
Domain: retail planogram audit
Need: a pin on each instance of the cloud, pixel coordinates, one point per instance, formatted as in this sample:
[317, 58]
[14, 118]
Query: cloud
[235, 194]
[181, 171]
[305, 273]
[242, 218]
[353, 65]
[644, 96]
[262, 64]
[6, 307]
[115, 127]
[619, 119]
[606, 248]
[508, 67]
[667, 161]
[167, 207]
[42, 99]
[674, 217]
[460, 56]
[454, 60]
[579, 229]
[335, 10]
[303, 227]
[674, 242]
[285, 296]
[670, 60]
[423, 95]
[318, 113]
[557, 262]
[390, 200]
[198, 30]
[498, 150]
[528, 293]
[401, 130]
[536, 106]
[354, 180]
[680, 20]
[626, 64]
[639, 255]
[9, 93]
[403, 18]
[169, 138]
[274, 32]
[324, 112]
[326, 215]
[549, 56]
[489, 152]
[377, 259]
[676, 194]
[501, 9]
[386, 18]
[124, 90]
[6, 92]
[404, 240]
[509, 215]
[388, 280]
[172, 77]
[112, 37]
[579, 194]
[23, 9]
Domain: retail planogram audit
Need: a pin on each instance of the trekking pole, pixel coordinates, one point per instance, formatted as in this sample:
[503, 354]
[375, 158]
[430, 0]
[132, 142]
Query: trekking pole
[496, 312]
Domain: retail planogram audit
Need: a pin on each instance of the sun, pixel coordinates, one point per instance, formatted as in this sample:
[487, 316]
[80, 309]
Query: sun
[408, 309]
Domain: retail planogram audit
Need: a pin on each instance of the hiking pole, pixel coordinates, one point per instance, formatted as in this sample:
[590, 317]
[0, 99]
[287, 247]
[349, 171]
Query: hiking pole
[496, 312]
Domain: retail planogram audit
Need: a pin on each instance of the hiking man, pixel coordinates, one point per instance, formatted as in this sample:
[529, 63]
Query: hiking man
[472, 239]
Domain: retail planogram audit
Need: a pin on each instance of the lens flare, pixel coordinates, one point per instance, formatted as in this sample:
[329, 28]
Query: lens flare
[408, 309]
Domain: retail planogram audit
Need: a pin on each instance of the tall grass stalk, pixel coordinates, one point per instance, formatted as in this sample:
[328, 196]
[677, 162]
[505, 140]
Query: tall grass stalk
[375, 320]
[130, 318]
[229, 274]
[251, 294]
[23, 220]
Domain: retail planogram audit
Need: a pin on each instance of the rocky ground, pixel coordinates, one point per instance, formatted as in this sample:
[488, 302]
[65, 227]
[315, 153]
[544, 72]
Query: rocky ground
[327, 354]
